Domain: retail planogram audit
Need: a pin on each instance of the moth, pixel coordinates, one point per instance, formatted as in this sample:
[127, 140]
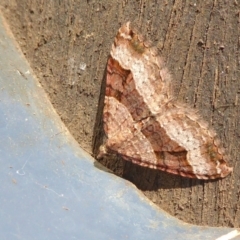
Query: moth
[145, 125]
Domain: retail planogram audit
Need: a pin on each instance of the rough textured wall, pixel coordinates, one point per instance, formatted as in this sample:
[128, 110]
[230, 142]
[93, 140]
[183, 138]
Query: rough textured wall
[67, 44]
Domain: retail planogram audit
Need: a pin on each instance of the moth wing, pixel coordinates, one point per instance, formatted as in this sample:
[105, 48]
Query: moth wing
[204, 152]
[142, 142]
[123, 135]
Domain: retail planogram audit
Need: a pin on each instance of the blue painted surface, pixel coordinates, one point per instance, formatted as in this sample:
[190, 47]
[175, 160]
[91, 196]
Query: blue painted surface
[50, 188]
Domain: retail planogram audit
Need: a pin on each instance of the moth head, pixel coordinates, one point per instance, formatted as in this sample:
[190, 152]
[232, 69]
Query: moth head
[132, 37]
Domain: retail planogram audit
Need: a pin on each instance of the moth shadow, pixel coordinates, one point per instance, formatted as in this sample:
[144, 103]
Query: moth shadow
[147, 179]
[98, 132]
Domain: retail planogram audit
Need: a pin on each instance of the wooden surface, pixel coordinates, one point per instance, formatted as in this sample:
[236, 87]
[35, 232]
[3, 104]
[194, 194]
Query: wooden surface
[67, 44]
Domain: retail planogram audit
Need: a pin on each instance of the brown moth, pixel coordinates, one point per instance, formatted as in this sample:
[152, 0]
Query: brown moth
[143, 123]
